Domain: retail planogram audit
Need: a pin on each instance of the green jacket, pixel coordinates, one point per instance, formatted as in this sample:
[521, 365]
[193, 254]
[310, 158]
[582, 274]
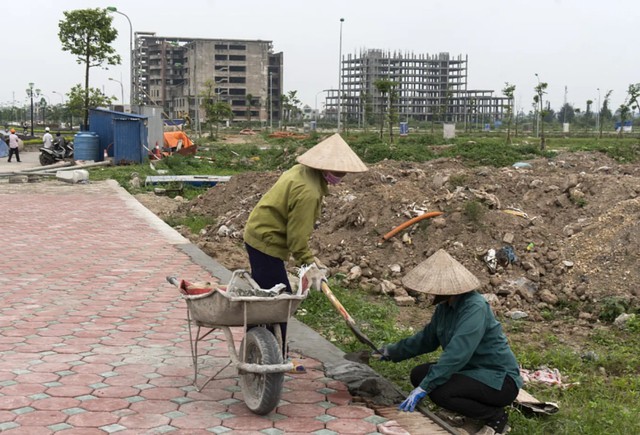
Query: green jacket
[472, 341]
[282, 222]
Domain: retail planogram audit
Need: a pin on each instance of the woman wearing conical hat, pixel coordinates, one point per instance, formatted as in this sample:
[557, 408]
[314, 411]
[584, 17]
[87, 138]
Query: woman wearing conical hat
[477, 374]
[281, 223]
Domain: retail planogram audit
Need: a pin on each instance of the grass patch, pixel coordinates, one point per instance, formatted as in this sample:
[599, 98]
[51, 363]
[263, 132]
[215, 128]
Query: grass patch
[195, 223]
[474, 212]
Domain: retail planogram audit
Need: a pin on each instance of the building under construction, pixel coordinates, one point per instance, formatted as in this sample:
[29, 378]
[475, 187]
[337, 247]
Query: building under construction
[176, 73]
[425, 88]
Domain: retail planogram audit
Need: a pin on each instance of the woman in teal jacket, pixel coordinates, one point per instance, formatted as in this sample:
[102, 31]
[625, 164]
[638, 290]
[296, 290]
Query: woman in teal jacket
[477, 374]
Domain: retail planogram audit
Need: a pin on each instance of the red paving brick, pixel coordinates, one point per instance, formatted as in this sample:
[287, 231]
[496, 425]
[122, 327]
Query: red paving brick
[102, 341]
[299, 424]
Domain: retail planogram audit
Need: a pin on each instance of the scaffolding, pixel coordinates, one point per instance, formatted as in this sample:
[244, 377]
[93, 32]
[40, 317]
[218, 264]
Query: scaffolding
[427, 88]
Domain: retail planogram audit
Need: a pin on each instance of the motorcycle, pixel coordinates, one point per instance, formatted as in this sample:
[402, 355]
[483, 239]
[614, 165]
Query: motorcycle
[61, 150]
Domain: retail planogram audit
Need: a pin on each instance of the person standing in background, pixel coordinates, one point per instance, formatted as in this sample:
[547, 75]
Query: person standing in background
[47, 139]
[14, 146]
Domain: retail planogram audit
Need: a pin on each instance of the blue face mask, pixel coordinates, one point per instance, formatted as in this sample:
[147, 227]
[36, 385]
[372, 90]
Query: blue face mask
[330, 178]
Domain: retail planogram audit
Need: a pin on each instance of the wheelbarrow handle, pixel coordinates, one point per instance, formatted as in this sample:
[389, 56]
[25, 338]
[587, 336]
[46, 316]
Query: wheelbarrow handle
[173, 280]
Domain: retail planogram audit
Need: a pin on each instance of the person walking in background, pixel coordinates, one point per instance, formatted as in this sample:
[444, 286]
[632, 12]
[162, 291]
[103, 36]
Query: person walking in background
[47, 139]
[14, 145]
[477, 375]
[25, 128]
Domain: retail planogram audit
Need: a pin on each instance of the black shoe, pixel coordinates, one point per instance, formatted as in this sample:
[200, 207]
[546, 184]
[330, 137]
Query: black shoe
[498, 423]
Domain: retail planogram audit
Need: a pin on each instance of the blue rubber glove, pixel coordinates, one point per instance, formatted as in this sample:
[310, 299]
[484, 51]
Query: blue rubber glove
[409, 404]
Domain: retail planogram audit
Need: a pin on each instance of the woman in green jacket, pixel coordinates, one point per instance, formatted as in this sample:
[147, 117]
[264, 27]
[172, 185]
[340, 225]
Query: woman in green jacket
[281, 223]
[477, 374]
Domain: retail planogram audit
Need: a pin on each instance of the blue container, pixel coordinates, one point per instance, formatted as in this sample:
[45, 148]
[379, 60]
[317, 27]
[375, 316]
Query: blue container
[86, 146]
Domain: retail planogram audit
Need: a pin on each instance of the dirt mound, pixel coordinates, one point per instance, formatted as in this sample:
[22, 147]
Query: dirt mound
[567, 225]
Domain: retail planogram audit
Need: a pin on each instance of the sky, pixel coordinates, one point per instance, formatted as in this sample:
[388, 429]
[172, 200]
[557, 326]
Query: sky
[576, 46]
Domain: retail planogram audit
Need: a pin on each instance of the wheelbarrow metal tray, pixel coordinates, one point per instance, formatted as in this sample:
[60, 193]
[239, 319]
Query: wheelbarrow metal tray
[218, 308]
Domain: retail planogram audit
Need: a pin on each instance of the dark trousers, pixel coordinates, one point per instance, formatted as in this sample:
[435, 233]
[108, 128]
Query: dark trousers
[268, 271]
[13, 151]
[468, 396]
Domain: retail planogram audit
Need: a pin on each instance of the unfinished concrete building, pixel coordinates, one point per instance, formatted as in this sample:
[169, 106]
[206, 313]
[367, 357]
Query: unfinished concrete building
[175, 72]
[428, 88]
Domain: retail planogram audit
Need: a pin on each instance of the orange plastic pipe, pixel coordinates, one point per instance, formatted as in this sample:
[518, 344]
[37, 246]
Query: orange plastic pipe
[410, 222]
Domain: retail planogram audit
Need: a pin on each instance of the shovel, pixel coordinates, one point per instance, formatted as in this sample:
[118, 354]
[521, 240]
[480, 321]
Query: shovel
[350, 322]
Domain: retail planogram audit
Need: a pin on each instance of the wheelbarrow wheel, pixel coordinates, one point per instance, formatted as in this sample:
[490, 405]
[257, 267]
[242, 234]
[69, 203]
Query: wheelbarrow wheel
[261, 391]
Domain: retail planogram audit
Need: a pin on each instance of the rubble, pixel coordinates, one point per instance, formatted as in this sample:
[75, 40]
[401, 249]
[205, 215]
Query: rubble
[572, 225]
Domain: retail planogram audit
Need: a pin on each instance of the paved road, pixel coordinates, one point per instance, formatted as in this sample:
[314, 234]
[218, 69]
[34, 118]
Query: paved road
[93, 340]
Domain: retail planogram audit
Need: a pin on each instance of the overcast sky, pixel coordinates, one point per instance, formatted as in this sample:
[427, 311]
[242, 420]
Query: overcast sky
[581, 44]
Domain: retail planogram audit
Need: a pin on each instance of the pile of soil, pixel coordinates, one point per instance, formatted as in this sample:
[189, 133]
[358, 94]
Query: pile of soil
[569, 226]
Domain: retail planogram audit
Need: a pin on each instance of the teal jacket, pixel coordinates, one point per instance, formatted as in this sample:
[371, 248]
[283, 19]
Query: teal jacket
[472, 341]
[282, 222]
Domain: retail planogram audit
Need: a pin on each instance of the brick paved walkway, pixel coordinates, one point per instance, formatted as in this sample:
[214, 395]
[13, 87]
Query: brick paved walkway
[93, 340]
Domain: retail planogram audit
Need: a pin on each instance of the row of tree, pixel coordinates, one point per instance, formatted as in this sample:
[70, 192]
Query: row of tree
[569, 114]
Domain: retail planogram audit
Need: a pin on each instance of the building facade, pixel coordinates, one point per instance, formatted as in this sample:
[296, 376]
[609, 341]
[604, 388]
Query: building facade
[427, 88]
[176, 73]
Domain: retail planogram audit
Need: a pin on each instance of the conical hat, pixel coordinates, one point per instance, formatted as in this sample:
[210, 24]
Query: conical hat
[333, 154]
[441, 274]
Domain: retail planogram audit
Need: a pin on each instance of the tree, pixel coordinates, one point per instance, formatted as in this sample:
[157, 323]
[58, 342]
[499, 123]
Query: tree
[215, 109]
[566, 114]
[508, 92]
[540, 90]
[587, 117]
[623, 112]
[384, 86]
[605, 113]
[393, 111]
[290, 106]
[87, 34]
[633, 93]
[78, 104]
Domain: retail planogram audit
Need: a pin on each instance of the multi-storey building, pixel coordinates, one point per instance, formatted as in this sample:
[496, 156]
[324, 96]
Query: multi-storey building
[427, 88]
[174, 73]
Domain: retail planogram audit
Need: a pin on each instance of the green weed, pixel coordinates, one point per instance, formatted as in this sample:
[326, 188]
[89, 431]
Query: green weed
[195, 223]
[474, 212]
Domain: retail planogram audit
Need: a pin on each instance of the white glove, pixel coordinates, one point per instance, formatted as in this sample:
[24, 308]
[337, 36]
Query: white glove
[311, 277]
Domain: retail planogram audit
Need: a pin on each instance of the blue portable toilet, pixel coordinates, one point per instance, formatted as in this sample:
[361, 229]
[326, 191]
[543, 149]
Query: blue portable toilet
[131, 141]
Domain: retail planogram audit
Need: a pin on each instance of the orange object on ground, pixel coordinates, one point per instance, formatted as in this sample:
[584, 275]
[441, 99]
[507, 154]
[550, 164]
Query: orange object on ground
[410, 222]
[173, 138]
[287, 135]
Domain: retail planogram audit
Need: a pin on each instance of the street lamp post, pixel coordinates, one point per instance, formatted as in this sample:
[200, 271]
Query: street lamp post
[59, 95]
[30, 94]
[121, 89]
[340, 76]
[132, 78]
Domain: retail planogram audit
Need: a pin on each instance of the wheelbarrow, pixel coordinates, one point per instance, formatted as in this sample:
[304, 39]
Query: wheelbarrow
[242, 302]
